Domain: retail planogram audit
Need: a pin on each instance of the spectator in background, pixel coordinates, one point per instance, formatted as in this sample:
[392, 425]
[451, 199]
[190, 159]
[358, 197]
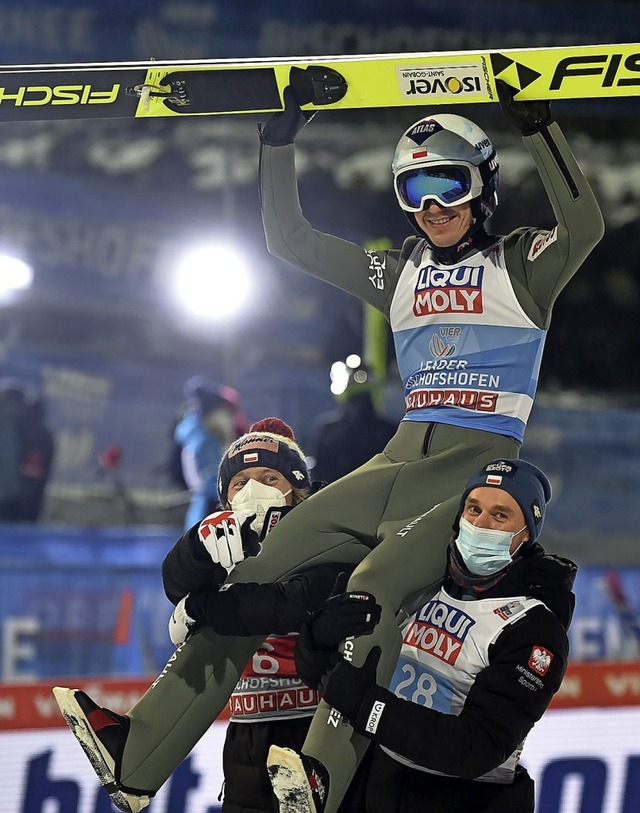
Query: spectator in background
[173, 465]
[37, 459]
[27, 453]
[204, 432]
[11, 404]
[353, 433]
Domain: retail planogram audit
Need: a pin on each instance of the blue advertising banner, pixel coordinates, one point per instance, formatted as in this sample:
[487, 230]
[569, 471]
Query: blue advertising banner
[32, 31]
[90, 602]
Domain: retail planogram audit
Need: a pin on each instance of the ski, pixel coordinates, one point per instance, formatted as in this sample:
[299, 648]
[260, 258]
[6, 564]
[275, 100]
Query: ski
[226, 86]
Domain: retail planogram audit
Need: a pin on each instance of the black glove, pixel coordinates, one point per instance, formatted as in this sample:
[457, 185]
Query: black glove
[529, 117]
[281, 128]
[349, 688]
[343, 615]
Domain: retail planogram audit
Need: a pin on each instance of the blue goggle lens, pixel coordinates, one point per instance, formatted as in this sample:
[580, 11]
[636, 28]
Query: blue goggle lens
[446, 184]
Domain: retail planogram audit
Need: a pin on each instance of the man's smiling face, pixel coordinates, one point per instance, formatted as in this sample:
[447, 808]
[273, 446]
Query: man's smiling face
[445, 225]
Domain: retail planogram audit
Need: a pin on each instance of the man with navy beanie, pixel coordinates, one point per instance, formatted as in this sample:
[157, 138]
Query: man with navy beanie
[480, 661]
[526, 483]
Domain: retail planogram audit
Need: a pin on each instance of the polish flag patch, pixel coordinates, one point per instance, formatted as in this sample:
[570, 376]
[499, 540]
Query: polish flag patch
[250, 457]
[540, 660]
[419, 154]
[494, 479]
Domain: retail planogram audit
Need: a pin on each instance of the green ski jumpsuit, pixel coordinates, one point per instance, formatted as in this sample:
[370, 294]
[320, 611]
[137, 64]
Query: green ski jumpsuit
[394, 514]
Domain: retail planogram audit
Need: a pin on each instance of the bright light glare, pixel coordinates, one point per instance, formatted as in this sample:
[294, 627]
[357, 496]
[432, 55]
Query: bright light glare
[211, 282]
[15, 274]
[339, 377]
[354, 361]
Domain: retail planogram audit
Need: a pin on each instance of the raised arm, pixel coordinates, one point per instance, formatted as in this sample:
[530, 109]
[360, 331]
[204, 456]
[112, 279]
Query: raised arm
[368, 275]
[542, 262]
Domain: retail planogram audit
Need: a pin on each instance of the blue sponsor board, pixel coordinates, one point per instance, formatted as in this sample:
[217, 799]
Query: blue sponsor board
[90, 602]
[31, 31]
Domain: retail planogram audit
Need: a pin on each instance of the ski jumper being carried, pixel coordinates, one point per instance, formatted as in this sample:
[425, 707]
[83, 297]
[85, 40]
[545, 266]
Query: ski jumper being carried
[469, 313]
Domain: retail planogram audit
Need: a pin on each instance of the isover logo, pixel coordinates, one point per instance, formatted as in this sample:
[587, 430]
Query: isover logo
[448, 290]
[440, 630]
[614, 71]
[38, 95]
[445, 80]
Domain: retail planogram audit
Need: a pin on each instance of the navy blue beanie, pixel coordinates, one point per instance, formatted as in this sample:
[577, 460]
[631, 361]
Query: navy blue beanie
[527, 484]
[270, 443]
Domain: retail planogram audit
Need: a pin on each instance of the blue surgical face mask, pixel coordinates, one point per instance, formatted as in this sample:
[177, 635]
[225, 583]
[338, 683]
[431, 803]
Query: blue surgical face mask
[485, 551]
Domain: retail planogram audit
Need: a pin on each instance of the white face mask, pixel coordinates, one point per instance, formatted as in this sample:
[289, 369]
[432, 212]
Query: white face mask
[485, 551]
[257, 498]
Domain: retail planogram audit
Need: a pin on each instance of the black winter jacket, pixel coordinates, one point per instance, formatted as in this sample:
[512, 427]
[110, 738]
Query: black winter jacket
[499, 710]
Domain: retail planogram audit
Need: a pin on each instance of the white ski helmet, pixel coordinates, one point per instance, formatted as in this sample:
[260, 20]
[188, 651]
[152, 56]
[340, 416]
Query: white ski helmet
[449, 158]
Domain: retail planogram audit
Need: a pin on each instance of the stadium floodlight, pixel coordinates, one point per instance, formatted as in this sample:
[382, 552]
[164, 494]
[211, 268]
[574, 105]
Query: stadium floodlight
[343, 372]
[211, 282]
[339, 376]
[15, 275]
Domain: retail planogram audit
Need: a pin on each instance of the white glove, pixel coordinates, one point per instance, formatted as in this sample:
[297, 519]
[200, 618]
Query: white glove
[180, 623]
[226, 534]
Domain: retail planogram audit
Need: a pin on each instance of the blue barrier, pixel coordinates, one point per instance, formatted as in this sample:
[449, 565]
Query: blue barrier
[79, 602]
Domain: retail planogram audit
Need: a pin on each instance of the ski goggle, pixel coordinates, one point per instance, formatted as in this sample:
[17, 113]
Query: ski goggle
[448, 184]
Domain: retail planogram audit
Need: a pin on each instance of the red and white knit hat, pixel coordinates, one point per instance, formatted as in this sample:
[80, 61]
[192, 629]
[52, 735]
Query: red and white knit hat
[270, 443]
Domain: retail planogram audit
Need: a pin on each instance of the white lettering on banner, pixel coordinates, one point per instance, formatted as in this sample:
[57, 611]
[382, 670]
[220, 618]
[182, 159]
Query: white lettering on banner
[571, 686]
[595, 748]
[7, 708]
[46, 706]
[625, 684]
[400, 38]
[112, 250]
[48, 28]
[74, 449]
[65, 382]
[16, 651]
[594, 638]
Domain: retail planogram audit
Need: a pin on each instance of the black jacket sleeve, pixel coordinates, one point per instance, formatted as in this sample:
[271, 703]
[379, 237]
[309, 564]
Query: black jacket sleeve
[188, 568]
[264, 609]
[505, 701]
